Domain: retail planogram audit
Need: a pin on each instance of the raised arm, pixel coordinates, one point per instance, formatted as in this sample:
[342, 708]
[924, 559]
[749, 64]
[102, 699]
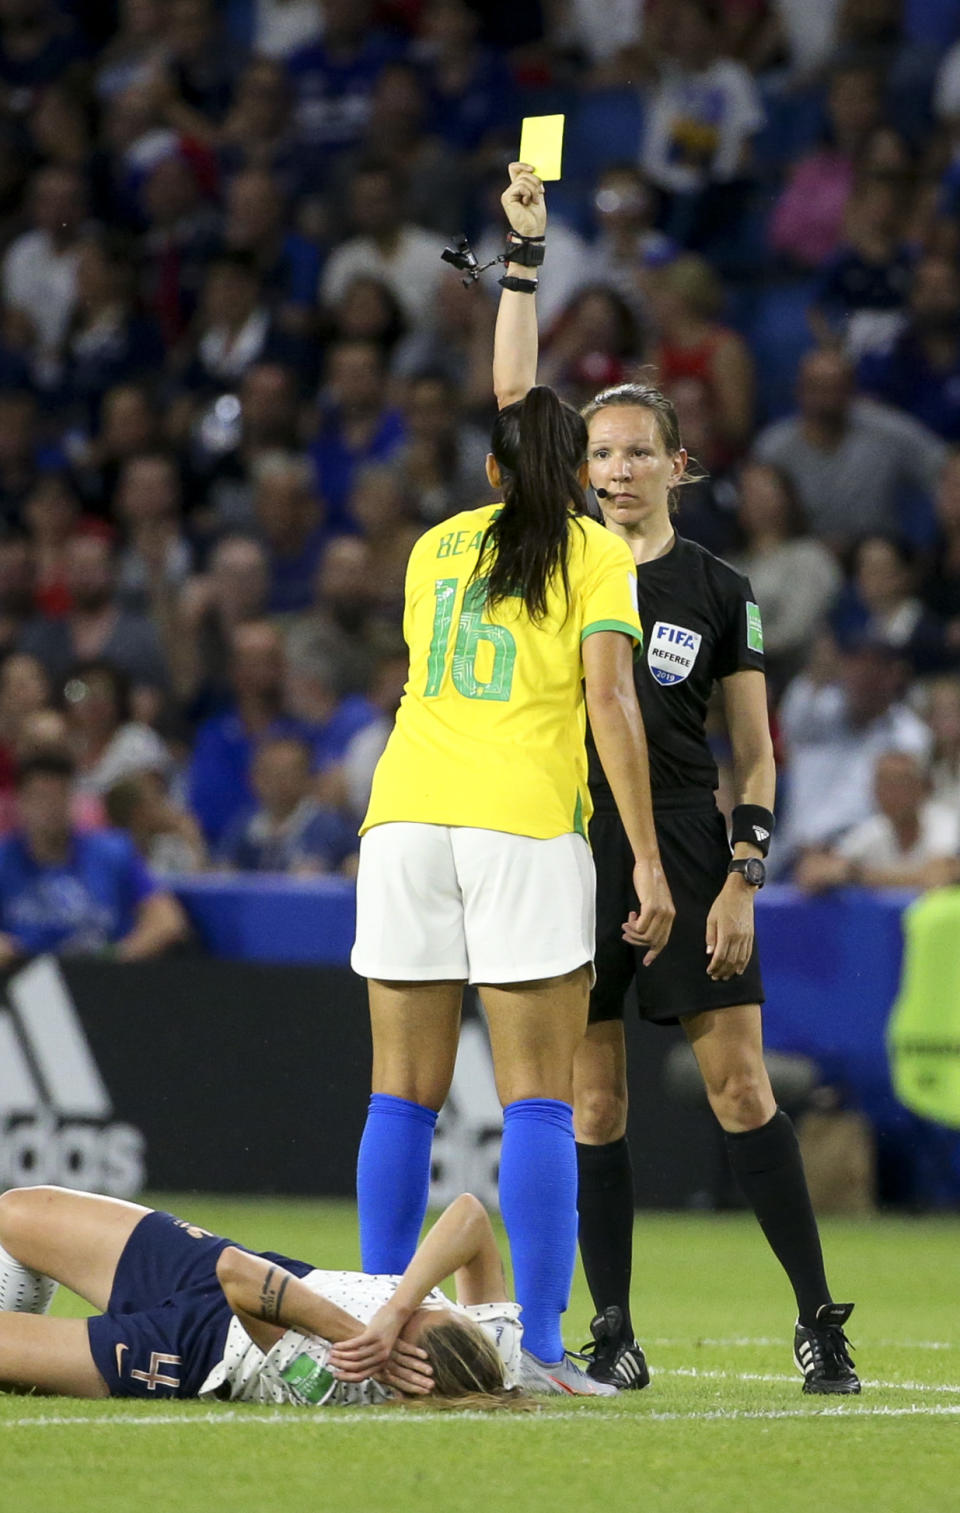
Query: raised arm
[617, 726]
[515, 337]
[460, 1244]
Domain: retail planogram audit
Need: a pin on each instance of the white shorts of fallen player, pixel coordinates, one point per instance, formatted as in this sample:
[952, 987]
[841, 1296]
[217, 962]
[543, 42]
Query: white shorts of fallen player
[451, 903]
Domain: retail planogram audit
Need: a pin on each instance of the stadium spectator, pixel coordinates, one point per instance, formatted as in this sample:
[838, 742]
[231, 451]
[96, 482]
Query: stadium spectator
[106, 742]
[16, 590]
[219, 774]
[232, 592]
[626, 206]
[167, 838]
[156, 561]
[333, 79]
[472, 93]
[385, 244]
[51, 513]
[458, 347]
[794, 577]
[233, 330]
[288, 264]
[135, 51]
[39, 269]
[326, 716]
[442, 463]
[200, 64]
[107, 342]
[39, 45]
[702, 116]
[861, 297]
[357, 423]
[342, 621]
[129, 423]
[179, 235]
[290, 519]
[257, 132]
[595, 341]
[21, 454]
[940, 588]
[227, 444]
[910, 841]
[396, 134]
[852, 462]
[941, 710]
[690, 342]
[919, 372]
[808, 218]
[834, 723]
[76, 892]
[882, 604]
[383, 509]
[289, 830]
[347, 784]
[368, 311]
[97, 625]
[24, 689]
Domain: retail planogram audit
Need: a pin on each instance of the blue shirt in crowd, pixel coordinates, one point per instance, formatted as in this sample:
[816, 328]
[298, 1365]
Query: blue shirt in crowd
[82, 904]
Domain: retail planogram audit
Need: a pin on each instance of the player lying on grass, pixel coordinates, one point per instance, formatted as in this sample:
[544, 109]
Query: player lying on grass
[186, 1314]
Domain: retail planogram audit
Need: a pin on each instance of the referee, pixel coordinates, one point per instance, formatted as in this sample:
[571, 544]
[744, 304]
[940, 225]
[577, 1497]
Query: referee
[701, 626]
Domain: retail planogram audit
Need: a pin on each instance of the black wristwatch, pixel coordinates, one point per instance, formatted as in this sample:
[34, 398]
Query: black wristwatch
[752, 868]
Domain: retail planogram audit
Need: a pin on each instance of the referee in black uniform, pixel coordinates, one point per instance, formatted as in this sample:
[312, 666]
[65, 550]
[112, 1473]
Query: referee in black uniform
[701, 626]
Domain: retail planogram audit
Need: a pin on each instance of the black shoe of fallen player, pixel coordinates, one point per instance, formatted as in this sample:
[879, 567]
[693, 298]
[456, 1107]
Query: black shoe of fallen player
[823, 1352]
[613, 1359]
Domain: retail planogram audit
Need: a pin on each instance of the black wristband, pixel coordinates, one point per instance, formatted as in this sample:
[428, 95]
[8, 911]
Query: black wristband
[528, 251]
[518, 285]
[753, 824]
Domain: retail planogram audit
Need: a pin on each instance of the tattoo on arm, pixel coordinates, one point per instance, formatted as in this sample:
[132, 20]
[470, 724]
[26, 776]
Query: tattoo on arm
[271, 1296]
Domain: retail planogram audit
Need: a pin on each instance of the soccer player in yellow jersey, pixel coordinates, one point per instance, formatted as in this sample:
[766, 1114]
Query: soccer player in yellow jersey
[474, 864]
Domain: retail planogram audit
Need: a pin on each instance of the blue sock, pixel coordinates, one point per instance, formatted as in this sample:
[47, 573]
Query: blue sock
[393, 1180]
[538, 1201]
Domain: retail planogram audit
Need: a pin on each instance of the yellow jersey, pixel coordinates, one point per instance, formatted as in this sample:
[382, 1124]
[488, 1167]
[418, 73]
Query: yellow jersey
[490, 730]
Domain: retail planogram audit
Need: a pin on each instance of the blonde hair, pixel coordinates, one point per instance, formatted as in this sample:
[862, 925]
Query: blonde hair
[467, 1371]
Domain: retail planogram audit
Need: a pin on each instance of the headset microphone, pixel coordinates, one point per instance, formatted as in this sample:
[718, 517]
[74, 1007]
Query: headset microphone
[601, 493]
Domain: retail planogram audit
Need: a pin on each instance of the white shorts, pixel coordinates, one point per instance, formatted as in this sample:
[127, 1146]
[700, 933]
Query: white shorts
[438, 902]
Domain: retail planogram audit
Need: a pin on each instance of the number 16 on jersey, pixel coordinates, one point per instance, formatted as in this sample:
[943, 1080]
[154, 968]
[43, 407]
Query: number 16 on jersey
[471, 631]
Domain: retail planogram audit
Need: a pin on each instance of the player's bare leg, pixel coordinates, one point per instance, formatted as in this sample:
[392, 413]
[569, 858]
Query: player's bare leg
[728, 1045]
[415, 1027]
[75, 1238]
[48, 1355]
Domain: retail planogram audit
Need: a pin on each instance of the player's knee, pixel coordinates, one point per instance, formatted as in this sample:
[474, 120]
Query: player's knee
[22, 1207]
[742, 1100]
[600, 1115]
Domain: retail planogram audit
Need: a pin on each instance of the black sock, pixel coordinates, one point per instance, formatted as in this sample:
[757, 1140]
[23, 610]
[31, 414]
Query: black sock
[606, 1204]
[767, 1164]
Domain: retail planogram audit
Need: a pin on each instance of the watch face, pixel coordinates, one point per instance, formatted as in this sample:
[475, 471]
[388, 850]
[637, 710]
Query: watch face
[755, 872]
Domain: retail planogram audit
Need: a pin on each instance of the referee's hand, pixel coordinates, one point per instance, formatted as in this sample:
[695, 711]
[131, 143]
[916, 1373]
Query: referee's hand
[523, 202]
[652, 926]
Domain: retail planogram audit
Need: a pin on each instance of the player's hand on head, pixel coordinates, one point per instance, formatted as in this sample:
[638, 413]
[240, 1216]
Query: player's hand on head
[407, 1370]
[652, 925]
[366, 1354]
[524, 202]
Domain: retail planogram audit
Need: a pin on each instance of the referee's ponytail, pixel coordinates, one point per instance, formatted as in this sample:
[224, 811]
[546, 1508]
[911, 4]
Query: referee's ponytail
[539, 444]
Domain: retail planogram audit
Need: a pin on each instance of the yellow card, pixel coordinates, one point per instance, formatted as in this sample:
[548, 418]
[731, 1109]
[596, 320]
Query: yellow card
[541, 144]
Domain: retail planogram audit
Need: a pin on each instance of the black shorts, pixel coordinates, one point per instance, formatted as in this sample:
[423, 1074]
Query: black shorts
[695, 855]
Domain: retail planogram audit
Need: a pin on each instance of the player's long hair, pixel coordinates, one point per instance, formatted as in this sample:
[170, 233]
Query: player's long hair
[539, 444]
[467, 1371]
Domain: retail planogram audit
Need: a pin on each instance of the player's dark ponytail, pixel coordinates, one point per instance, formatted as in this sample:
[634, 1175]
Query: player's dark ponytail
[539, 444]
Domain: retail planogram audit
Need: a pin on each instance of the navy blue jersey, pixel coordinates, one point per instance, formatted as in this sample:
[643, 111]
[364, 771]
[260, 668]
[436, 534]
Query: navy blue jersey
[700, 624]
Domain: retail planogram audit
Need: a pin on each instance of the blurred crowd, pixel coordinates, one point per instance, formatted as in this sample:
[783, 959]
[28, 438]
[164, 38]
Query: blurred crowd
[237, 380]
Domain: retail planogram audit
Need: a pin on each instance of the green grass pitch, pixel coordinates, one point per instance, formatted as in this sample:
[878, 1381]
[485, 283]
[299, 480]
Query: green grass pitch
[723, 1425]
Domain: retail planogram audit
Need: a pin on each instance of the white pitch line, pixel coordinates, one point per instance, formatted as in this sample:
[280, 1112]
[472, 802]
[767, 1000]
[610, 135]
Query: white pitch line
[741, 1341]
[758, 1376]
[353, 1418]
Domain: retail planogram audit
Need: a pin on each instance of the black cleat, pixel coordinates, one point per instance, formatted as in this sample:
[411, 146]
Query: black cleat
[823, 1353]
[613, 1359]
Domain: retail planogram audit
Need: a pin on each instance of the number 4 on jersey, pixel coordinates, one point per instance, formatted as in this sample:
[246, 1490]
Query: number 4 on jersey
[472, 629]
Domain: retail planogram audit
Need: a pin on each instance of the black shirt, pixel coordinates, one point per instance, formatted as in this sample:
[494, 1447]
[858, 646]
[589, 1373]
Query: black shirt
[700, 623]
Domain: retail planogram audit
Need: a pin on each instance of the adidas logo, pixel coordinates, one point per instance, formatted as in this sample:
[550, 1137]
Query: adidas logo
[55, 1111]
[761, 834]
